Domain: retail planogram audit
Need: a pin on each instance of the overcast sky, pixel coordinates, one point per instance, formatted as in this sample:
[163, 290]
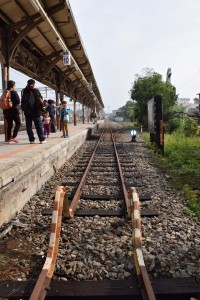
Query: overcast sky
[123, 37]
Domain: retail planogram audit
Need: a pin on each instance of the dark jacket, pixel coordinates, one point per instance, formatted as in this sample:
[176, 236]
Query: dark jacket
[15, 108]
[32, 101]
[50, 108]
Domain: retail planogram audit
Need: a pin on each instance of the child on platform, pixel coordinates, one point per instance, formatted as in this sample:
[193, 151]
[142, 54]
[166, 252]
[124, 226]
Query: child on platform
[47, 124]
[63, 113]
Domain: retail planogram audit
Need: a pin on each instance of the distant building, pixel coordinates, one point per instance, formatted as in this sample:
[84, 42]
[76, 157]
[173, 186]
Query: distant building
[184, 102]
[114, 112]
[118, 116]
[190, 108]
[193, 108]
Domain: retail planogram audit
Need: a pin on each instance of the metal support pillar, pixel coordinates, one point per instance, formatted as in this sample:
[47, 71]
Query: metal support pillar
[5, 76]
[57, 105]
[74, 112]
[88, 115]
[83, 114]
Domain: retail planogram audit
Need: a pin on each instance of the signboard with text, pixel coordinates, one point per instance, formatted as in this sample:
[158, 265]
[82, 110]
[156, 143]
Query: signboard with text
[66, 58]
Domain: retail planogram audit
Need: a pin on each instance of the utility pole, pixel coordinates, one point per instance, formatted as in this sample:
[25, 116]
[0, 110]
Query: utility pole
[169, 74]
[199, 102]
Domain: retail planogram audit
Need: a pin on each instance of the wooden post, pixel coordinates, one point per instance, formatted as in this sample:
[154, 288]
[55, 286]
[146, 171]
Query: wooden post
[162, 136]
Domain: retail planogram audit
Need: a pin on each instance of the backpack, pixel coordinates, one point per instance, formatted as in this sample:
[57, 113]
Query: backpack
[5, 100]
[28, 103]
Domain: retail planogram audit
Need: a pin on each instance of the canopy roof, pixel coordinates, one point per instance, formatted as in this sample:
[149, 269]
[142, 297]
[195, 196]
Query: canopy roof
[36, 33]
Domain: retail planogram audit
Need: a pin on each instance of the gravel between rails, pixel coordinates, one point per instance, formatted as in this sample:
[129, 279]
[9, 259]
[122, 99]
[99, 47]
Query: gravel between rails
[95, 248]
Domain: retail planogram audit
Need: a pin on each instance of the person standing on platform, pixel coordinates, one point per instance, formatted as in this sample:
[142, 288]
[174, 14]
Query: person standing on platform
[93, 116]
[63, 113]
[12, 114]
[51, 109]
[46, 124]
[32, 105]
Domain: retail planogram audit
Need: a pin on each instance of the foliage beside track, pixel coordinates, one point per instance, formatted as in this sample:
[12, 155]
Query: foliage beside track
[181, 162]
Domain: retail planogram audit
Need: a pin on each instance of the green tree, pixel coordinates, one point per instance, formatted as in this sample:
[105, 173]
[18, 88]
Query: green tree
[127, 110]
[145, 87]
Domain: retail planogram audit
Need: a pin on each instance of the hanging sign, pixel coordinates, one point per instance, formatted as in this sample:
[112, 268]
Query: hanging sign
[66, 58]
[90, 86]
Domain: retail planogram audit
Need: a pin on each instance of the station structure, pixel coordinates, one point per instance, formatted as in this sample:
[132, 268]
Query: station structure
[40, 39]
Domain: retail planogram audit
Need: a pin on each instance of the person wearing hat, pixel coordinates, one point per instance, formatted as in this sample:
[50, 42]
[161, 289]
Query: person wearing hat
[32, 106]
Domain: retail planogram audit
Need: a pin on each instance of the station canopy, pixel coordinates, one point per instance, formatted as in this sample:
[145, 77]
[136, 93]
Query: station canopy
[35, 37]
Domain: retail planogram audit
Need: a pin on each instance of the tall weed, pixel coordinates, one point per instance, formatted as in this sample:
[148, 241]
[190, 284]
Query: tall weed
[181, 161]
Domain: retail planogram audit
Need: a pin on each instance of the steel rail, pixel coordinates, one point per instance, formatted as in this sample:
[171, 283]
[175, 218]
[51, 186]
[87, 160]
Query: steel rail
[121, 174]
[76, 198]
[134, 213]
[42, 285]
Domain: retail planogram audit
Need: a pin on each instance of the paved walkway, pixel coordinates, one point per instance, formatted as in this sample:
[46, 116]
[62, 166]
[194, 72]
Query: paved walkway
[14, 152]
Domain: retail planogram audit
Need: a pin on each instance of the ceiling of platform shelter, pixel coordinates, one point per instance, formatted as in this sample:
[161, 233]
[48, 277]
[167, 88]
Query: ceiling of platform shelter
[33, 36]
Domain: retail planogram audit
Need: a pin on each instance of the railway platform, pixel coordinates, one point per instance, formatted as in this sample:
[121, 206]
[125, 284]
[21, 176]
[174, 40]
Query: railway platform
[25, 167]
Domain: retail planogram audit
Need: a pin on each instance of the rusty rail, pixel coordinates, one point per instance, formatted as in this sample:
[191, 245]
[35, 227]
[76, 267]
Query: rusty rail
[43, 282]
[134, 213]
[121, 174]
[76, 198]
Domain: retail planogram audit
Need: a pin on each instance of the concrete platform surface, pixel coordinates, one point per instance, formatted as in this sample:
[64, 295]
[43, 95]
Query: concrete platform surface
[25, 167]
[13, 152]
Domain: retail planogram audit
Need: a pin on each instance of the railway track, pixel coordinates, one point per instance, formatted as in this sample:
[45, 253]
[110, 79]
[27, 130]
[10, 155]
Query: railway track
[109, 171]
[104, 154]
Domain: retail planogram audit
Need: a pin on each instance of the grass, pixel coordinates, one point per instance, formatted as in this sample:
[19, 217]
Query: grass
[181, 161]
[129, 124]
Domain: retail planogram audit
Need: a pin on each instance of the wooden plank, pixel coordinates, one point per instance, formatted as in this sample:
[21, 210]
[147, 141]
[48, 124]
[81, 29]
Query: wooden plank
[102, 212]
[104, 163]
[129, 185]
[100, 197]
[111, 197]
[111, 212]
[176, 288]
[104, 171]
[70, 183]
[132, 176]
[145, 197]
[149, 213]
[164, 288]
[99, 212]
[74, 289]
[104, 183]
[47, 211]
